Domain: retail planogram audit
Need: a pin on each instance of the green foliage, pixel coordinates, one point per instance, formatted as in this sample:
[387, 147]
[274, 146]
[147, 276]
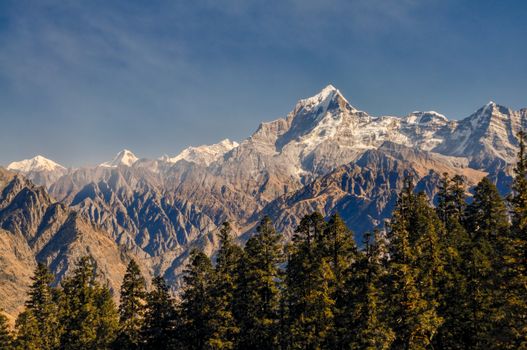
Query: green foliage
[42, 306]
[39, 323]
[337, 247]
[225, 329]
[514, 253]
[6, 338]
[454, 240]
[27, 336]
[258, 294]
[309, 280]
[131, 307]
[196, 302]
[88, 315]
[364, 309]
[487, 223]
[160, 318]
[414, 258]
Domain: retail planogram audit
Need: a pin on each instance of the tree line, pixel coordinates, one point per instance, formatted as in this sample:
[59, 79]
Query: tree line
[449, 276]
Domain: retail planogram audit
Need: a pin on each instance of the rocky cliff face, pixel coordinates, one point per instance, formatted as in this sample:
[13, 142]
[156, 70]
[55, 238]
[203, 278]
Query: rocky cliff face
[33, 227]
[324, 155]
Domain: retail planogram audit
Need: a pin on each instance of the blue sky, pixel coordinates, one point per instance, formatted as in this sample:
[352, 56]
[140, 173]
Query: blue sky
[81, 80]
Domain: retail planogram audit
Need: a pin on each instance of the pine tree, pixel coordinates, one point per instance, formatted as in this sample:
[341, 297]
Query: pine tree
[337, 245]
[410, 289]
[160, 317]
[487, 223]
[131, 307]
[43, 308]
[365, 309]
[107, 318]
[514, 247]
[196, 302]
[225, 328]
[88, 315]
[6, 337]
[309, 279]
[425, 232]
[27, 334]
[452, 287]
[258, 292]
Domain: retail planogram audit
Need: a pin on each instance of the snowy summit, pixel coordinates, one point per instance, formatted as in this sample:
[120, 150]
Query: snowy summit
[125, 157]
[38, 163]
[204, 154]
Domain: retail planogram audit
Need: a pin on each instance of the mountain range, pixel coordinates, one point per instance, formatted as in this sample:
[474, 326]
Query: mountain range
[325, 155]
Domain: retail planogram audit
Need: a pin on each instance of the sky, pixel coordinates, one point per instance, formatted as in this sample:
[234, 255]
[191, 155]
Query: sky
[81, 80]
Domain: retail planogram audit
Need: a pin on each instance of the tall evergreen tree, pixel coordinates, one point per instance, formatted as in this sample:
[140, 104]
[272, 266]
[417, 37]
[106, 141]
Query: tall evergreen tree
[308, 287]
[107, 318]
[6, 337]
[337, 245]
[366, 325]
[196, 302]
[131, 307]
[39, 321]
[410, 289]
[160, 318]
[487, 223]
[225, 328]
[258, 292]
[88, 315]
[27, 334]
[514, 274]
[454, 241]
[43, 307]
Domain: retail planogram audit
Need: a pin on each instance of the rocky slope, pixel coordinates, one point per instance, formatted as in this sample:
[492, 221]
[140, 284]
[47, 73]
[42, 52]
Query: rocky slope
[33, 227]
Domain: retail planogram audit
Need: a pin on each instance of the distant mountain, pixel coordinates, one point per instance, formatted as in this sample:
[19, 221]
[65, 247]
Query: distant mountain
[125, 157]
[324, 155]
[487, 138]
[203, 155]
[40, 170]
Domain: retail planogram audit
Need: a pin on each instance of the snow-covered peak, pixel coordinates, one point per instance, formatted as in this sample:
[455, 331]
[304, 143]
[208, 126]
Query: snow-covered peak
[322, 100]
[426, 118]
[125, 157]
[204, 154]
[38, 163]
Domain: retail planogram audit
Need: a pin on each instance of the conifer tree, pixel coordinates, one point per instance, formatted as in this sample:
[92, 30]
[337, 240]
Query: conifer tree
[258, 292]
[131, 307]
[43, 308]
[107, 318]
[487, 223]
[27, 334]
[196, 302]
[160, 317]
[337, 245]
[514, 247]
[454, 240]
[308, 287]
[425, 232]
[88, 314]
[6, 337]
[225, 328]
[410, 290]
[365, 309]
